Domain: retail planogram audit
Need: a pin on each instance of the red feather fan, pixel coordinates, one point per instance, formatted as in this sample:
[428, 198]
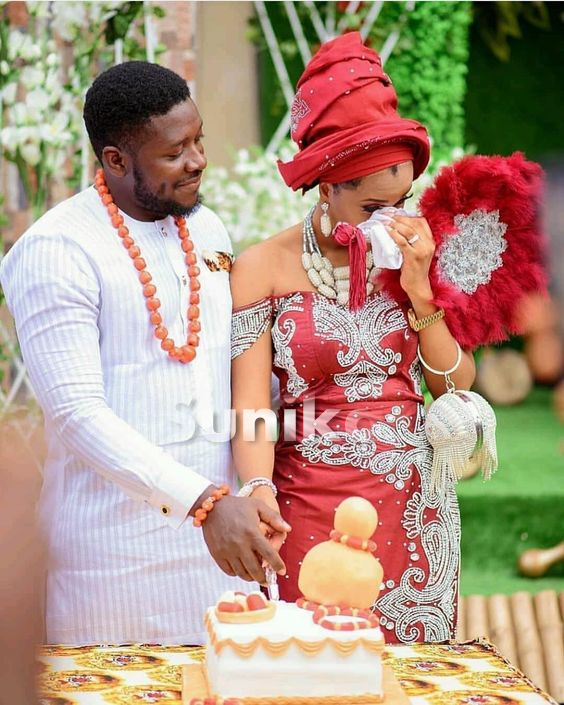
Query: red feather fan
[484, 213]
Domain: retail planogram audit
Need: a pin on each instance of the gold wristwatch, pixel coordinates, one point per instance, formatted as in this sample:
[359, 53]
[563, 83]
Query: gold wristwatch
[418, 324]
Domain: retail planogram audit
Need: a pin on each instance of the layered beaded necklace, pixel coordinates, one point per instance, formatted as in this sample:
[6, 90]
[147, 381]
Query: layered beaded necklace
[332, 282]
[183, 353]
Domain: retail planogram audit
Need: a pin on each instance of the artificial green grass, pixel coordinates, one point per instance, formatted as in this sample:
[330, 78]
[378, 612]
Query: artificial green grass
[521, 507]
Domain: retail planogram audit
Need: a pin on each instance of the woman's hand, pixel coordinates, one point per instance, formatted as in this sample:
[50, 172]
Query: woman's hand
[276, 538]
[414, 238]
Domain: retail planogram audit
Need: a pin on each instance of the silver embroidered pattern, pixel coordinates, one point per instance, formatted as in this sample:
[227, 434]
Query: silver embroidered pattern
[348, 151]
[468, 258]
[282, 333]
[363, 381]
[299, 110]
[421, 606]
[427, 598]
[361, 448]
[361, 331]
[248, 324]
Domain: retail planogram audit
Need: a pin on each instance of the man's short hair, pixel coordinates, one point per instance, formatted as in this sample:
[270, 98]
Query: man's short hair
[123, 99]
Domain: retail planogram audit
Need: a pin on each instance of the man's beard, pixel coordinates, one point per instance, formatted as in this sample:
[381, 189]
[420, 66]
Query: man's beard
[161, 206]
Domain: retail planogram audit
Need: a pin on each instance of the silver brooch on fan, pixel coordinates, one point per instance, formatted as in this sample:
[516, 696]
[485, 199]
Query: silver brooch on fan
[468, 258]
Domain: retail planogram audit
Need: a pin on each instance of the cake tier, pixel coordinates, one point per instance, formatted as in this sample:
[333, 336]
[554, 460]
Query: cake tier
[289, 655]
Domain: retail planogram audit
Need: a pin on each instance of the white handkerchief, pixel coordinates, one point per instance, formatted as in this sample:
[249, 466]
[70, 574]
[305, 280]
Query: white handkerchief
[387, 255]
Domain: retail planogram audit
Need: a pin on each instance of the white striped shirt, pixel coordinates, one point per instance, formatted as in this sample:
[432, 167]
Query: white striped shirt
[122, 470]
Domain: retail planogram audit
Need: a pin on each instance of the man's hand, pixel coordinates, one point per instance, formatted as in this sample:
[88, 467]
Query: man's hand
[233, 534]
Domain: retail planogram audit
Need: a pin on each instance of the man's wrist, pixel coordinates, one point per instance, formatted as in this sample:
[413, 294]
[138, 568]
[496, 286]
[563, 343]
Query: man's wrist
[198, 503]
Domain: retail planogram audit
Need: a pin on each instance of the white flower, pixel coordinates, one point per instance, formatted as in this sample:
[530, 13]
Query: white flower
[31, 153]
[31, 77]
[52, 60]
[68, 18]
[37, 99]
[20, 114]
[35, 52]
[28, 133]
[55, 131]
[9, 138]
[19, 45]
[38, 8]
[9, 93]
[53, 86]
[4, 68]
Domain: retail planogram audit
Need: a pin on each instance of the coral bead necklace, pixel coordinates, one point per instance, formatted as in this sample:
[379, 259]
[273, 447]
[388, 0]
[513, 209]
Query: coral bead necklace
[184, 353]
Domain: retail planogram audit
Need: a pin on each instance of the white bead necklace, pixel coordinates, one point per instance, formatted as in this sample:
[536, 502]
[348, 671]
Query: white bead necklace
[332, 282]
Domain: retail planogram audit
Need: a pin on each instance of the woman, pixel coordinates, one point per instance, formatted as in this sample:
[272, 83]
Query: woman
[355, 359]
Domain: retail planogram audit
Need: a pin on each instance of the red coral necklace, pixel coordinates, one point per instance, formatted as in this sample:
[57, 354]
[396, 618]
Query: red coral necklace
[184, 353]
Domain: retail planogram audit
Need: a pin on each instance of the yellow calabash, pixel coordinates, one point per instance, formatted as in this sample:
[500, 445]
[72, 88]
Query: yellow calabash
[334, 574]
[355, 516]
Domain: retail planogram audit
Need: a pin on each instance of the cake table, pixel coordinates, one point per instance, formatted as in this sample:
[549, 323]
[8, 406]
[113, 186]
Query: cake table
[471, 673]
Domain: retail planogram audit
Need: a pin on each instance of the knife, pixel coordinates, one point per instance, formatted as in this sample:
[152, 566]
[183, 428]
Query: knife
[272, 583]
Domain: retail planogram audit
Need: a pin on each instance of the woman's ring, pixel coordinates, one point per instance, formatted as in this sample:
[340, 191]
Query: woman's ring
[413, 240]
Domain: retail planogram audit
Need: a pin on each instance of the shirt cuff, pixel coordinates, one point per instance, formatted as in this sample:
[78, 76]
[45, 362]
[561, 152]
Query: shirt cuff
[177, 491]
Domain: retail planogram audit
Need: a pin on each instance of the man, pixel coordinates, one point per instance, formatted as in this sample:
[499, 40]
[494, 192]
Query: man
[123, 472]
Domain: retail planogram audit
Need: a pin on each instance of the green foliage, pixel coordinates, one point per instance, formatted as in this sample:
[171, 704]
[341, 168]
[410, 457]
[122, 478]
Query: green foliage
[517, 104]
[500, 21]
[118, 25]
[429, 66]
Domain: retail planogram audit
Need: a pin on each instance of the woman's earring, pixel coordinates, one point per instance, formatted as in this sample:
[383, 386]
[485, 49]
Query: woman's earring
[325, 220]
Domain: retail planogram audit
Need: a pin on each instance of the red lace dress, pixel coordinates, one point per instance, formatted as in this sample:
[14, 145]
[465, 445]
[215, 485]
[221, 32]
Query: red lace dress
[351, 423]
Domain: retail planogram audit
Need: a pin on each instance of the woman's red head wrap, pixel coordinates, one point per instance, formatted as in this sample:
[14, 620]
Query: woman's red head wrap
[344, 119]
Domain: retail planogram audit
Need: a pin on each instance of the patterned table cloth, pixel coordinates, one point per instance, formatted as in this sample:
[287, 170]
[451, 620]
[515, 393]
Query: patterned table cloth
[472, 673]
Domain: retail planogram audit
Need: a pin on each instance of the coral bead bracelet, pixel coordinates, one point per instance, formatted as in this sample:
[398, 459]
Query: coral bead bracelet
[183, 353]
[208, 504]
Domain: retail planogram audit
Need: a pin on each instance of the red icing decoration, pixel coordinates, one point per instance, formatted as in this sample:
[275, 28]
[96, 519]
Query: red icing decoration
[230, 607]
[256, 602]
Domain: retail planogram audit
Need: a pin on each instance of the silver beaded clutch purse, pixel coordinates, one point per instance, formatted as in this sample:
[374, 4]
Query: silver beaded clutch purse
[460, 426]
